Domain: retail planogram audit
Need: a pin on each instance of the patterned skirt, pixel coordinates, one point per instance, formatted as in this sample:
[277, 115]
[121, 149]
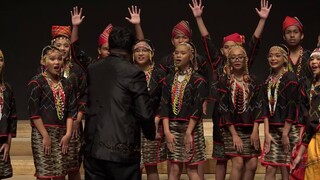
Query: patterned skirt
[218, 151]
[197, 153]
[298, 173]
[53, 165]
[313, 164]
[244, 133]
[276, 155]
[75, 152]
[154, 152]
[5, 167]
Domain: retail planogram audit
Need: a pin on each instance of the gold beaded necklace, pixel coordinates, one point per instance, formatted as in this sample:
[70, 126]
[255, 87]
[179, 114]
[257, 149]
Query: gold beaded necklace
[273, 97]
[58, 96]
[177, 91]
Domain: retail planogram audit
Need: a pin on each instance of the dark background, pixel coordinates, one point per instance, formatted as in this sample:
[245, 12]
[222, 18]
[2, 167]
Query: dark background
[25, 28]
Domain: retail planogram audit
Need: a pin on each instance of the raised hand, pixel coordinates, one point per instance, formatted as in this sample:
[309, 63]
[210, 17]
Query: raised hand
[134, 12]
[76, 16]
[197, 8]
[264, 9]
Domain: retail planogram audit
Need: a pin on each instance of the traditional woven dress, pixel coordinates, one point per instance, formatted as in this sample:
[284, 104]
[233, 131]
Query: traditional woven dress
[53, 104]
[305, 77]
[77, 77]
[280, 106]
[180, 102]
[237, 105]
[311, 138]
[8, 125]
[154, 152]
[217, 67]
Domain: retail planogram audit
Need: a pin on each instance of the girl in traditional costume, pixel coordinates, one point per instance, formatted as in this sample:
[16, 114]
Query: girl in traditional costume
[8, 122]
[311, 136]
[52, 108]
[279, 92]
[153, 152]
[183, 94]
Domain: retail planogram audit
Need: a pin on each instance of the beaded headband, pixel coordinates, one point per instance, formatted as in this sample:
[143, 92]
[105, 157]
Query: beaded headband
[48, 48]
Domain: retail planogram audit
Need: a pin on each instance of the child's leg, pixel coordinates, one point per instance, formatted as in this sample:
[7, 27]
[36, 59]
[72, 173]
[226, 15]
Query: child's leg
[221, 167]
[152, 172]
[237, 168]
[201, 171]
[193, 172]
[175, 171]
[284, 172]
[270, 173]
[250, 168]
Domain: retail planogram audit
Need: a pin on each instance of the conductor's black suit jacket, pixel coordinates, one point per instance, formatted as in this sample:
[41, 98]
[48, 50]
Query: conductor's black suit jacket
[119, 107]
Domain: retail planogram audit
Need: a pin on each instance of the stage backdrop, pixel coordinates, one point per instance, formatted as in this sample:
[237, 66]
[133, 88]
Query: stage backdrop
[25, 28]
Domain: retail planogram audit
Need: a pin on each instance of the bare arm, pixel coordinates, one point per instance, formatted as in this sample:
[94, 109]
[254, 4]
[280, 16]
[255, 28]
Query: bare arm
[263, 13]
[76, 19]
[197, 10]
[136, 21]
[285, 136]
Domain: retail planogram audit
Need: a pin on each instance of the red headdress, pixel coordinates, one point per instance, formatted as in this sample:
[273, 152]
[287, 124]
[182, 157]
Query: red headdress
[291, 21]
[57, 31]
[235, 37]
[182, 28]
[104, 36]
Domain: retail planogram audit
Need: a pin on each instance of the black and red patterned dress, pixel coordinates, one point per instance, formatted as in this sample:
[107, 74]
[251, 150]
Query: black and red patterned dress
[217, 69]
[53, 104]
[279, 104]
[8, 125]
[182, 100]
[154, 152]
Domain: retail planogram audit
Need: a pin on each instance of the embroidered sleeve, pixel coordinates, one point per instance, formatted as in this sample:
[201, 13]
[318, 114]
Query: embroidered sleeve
[165, 100]
[201, 93]
[34, 94]
[79, 56]
[12, 116]
[254, 46]
[291, 93]
[261, 104]
[72, 103]
[224, 104]
[82, 100]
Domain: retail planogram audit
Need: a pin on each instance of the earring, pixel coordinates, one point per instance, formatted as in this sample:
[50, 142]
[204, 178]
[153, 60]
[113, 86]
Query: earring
[150, 56]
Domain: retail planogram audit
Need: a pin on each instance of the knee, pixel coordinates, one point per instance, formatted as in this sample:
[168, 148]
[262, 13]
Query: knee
[237, 163]
[251, 165]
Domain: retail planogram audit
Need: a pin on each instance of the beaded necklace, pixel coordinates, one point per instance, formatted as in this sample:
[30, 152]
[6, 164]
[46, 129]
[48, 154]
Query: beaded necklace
[240, 94]
[58, 96]
[66, 70]
[273, 90]
[2, 88]
[148, 74]
[178, 91]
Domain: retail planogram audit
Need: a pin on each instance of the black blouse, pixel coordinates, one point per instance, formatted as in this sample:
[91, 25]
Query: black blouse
[41, 102]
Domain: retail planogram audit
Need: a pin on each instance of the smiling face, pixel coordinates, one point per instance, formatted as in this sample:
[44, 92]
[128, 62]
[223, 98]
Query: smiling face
[276, 58]
[314, 63]
[52, 62]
